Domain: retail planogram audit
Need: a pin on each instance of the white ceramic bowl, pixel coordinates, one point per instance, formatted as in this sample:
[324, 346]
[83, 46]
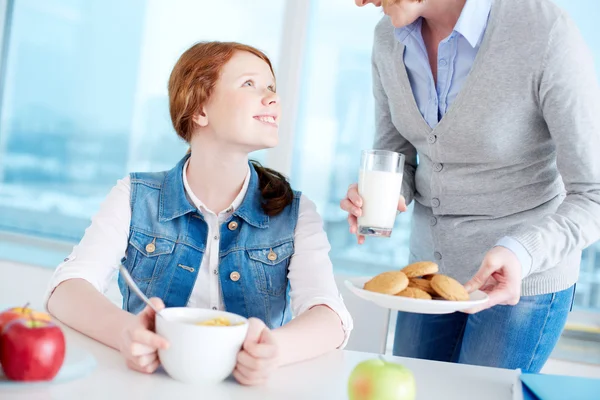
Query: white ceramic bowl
[199, 354]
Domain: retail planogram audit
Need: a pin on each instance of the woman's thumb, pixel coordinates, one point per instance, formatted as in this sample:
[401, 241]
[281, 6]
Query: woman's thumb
[485, 271]
[402, 204]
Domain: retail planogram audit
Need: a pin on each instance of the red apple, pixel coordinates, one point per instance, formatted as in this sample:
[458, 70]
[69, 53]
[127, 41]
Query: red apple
[31, 350]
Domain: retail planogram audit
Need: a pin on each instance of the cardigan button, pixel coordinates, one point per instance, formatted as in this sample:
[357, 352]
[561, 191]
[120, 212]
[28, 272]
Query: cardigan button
[435, 202]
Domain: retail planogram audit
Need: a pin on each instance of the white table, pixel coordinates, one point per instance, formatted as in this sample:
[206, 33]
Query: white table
[322, 378]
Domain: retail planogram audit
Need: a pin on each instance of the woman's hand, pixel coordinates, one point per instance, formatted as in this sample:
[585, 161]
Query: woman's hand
[259, 355]
[352, 204]
[139, 344]
[499, 276]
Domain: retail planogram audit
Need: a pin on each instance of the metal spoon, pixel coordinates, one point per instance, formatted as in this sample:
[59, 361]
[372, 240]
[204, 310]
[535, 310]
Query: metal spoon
[133, 286]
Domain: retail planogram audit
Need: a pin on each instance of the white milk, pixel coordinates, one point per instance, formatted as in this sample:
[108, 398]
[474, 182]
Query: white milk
[380, 191]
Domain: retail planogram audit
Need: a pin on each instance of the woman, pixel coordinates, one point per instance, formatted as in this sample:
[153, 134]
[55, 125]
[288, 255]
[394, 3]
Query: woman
[499, 100]
[214, 232]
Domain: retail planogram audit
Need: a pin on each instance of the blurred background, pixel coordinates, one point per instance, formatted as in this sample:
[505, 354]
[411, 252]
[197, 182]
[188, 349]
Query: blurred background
[83, 101]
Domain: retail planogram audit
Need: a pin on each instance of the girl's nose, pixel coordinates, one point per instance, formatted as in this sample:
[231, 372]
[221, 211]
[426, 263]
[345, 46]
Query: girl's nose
[271, 98]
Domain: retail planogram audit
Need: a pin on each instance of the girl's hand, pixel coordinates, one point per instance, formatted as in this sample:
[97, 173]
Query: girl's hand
[259, 355]
[139, 343]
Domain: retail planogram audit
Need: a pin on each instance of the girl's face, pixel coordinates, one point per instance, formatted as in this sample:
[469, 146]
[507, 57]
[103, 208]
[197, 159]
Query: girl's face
[243, 109]
[401, 12]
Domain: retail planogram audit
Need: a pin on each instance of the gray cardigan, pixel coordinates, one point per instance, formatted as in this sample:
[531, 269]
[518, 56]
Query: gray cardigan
[516, 154]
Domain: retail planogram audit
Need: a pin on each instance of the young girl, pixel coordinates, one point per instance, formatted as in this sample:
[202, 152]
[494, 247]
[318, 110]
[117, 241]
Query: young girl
[216, 231]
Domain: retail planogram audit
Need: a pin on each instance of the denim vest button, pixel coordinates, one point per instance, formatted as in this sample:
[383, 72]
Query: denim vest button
[234, 276]
[232, 226]
[150, 247]
[272, 256]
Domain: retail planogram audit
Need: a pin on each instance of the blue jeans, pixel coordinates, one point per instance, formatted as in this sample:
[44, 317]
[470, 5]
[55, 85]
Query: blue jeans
[520, 336]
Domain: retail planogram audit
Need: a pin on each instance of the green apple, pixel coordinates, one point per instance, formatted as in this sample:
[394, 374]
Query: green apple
[381, 380]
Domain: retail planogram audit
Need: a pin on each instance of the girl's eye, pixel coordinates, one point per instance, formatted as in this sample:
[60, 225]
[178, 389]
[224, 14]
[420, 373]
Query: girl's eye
[272, 88]
[248, 83]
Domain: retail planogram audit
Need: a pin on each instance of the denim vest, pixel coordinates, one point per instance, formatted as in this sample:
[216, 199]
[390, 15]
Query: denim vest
[167, 240]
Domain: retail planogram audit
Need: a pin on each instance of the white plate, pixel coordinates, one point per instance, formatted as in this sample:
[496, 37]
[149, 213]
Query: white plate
[408, 304]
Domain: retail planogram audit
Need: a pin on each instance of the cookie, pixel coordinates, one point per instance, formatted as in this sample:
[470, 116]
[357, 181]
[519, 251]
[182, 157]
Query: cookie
[420, 268]
[448, 288]
[390, 282]
[429, 277]
[422, 284]
[414, 293]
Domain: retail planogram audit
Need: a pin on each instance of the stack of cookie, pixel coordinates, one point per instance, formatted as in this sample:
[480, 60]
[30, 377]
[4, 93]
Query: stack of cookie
[419, 281]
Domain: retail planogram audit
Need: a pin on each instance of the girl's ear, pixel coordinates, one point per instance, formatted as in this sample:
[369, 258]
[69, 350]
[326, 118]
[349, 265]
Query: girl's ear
[200, 118]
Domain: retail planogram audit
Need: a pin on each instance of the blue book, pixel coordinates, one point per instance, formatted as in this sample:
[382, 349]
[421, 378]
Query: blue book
[559, 387]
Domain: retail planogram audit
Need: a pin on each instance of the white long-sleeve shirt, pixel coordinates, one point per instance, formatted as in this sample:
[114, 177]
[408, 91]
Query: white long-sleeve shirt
[97, 256]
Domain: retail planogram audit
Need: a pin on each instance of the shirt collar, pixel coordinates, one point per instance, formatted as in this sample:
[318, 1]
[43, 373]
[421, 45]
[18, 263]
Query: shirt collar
[175, 200]
[200, 205]
[473, 20]
[414, 29]
[471, 24]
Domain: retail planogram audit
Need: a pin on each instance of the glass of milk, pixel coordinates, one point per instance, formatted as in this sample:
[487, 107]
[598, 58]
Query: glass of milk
[379, 184]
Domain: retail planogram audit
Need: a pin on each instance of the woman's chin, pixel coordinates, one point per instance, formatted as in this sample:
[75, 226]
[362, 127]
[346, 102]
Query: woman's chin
[400, 22]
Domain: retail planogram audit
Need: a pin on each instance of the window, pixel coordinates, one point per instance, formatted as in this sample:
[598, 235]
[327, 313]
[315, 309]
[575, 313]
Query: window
[84, 101]
[335, 122]
[85, 97]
